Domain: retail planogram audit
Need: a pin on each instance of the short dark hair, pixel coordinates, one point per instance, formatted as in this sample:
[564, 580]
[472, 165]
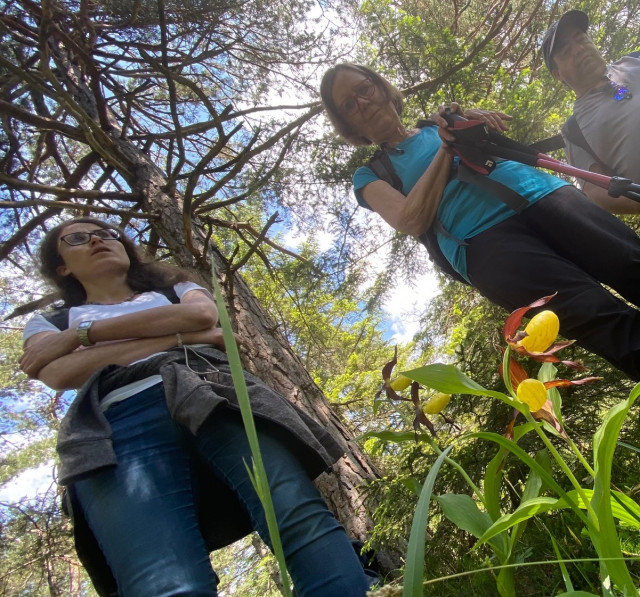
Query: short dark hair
[143, 275]
[342, 127]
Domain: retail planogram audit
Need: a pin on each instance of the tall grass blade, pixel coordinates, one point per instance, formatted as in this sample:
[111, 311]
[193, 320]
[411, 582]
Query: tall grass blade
[259, 476]
[414, 568]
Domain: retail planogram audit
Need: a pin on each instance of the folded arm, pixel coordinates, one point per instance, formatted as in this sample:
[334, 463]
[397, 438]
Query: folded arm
[196, 312]
[72, 370]
[414, 213]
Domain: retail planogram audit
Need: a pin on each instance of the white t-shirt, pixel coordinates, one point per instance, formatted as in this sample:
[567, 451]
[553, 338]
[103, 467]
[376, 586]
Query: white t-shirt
[610, 127]
[143, 301]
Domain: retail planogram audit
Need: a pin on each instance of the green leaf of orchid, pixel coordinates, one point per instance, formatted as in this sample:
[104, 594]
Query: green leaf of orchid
[414, 569]
[462, 510]
[606, 540]
[539, 505]
[450, 380]
[546, 477]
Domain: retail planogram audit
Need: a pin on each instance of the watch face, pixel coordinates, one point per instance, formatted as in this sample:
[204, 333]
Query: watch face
[84, 325]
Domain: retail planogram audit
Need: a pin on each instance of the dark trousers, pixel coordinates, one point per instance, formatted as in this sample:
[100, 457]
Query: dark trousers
[567, 244]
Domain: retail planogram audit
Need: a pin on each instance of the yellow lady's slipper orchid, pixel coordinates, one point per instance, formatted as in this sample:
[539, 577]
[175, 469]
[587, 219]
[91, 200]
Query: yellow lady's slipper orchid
[436, 404]
[541, 331]
[400, 383]
[533, 393]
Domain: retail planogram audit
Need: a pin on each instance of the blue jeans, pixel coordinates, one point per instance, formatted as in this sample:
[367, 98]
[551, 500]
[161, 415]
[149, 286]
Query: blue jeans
[143, 511]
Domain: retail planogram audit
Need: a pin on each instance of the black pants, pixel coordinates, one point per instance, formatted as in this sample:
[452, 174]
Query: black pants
[567, 244]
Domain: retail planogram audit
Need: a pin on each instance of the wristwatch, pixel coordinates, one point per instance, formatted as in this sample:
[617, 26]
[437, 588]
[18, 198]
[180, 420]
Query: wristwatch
[83, 333]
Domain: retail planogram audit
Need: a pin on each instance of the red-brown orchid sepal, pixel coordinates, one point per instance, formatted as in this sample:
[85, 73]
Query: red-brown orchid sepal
[516, 345]
[420, 418]
[547, 414]
[514, 320]
[388, 367]
[517, 373]
[543, 414]
[550, 358]
[386, 377]
[564, 383]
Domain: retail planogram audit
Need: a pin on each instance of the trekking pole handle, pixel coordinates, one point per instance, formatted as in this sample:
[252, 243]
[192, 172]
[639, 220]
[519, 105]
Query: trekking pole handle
[623, 186]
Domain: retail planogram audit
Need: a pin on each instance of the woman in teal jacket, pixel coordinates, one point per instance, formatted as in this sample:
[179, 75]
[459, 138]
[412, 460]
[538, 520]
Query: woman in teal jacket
[561, 242]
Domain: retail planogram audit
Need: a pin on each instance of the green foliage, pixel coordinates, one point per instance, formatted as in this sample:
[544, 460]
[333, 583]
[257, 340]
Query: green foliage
[597, 509]
[245, 570]
[37, 552]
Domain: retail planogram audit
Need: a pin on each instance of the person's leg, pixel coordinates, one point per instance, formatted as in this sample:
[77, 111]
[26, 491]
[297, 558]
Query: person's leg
[592, 238]
[142, 511]
[514, 264]
[319, 555]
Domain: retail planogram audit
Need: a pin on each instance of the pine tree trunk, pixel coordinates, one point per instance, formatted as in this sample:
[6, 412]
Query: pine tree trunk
[270, 357]
[267, 354]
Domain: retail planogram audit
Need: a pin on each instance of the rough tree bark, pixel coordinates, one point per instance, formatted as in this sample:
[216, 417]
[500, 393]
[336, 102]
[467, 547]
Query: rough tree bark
[268, 354]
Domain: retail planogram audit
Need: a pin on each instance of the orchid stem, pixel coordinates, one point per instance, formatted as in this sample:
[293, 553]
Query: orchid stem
[580, 457]
[459, 468]
[565, 469]
[506, 376]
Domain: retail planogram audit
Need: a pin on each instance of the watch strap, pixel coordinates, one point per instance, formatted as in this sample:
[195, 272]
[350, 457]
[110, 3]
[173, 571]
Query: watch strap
[83, 333]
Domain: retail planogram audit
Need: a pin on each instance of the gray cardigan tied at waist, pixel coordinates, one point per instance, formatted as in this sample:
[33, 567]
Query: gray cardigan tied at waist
[196, 382]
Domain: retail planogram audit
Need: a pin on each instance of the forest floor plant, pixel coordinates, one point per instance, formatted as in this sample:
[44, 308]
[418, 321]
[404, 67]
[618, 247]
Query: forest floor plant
[550, 486]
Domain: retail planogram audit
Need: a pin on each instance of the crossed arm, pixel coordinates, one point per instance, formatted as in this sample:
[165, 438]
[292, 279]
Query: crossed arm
[414, 213]
[52, 357]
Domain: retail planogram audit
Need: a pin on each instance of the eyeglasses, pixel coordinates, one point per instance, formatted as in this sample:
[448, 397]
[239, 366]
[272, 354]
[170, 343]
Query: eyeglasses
[82, 238]
[364, 91]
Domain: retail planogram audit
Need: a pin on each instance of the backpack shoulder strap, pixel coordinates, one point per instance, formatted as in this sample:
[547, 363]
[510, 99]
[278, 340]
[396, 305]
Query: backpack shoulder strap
[549, 144]
[58, 317]
[572, 131]
[382, 167]
[170, 293]
[381, 164]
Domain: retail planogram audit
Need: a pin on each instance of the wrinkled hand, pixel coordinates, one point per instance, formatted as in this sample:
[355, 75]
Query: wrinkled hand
[493, 119]
[46, 350]
[439, 119]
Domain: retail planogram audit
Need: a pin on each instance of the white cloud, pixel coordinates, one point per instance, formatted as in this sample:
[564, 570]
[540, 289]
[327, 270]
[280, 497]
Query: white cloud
[28, 484]
[293, 238]
[406, 303]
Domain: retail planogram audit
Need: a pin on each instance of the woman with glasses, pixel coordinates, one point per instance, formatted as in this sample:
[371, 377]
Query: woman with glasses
[560, 242]
[152, 450]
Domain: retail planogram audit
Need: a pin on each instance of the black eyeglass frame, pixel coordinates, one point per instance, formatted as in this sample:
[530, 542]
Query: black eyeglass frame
[109, 234]
[350, 112]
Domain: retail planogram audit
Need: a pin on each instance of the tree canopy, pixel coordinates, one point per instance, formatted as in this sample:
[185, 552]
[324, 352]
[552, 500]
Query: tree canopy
[197, 126]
